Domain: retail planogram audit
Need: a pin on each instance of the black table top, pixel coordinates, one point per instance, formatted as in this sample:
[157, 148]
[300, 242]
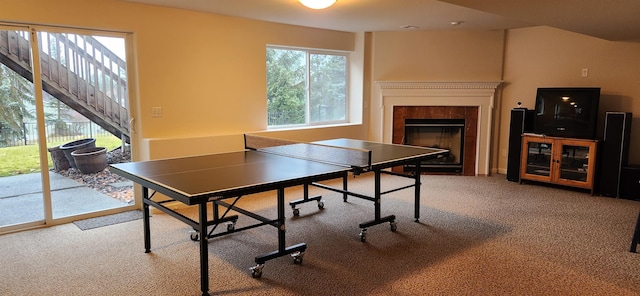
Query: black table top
[383, 154]
[222, 173]
[189, 178]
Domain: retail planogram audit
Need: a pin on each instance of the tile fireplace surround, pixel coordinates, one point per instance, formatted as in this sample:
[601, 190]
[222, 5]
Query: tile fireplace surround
[424, 94]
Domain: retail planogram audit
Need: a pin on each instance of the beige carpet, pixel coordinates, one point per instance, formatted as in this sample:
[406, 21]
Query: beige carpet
[477, 236]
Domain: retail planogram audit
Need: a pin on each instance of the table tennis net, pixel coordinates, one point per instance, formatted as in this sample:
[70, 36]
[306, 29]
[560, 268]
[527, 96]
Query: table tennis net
[342, 156]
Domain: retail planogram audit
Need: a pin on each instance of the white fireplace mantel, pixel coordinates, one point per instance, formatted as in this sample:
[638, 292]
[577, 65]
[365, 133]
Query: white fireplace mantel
[480, 94]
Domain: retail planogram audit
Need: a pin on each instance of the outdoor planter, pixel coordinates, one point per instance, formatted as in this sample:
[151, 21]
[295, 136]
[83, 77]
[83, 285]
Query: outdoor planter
[60, 162]
[75, 145]
[90, 160]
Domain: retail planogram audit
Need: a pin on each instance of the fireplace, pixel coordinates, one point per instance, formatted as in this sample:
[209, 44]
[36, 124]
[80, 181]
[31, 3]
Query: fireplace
[466, 119]
[437, 133]
[473, 101]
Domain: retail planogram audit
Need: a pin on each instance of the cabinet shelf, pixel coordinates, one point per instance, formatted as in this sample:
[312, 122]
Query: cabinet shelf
[538, 166]
[575, 171]
[556, 160]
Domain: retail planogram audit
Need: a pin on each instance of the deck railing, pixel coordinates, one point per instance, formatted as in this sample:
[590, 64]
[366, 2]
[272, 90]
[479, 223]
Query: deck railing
[56, 132]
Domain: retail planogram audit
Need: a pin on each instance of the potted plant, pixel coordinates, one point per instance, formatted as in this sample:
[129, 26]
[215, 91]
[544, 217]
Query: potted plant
[75, 145]
[90, 160]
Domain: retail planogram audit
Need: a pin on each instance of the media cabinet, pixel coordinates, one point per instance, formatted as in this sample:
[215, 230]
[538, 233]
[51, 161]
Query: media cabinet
[562, 161]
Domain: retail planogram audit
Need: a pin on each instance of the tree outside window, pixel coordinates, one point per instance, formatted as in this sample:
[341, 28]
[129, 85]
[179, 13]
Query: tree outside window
[305, 88]
[17, 105]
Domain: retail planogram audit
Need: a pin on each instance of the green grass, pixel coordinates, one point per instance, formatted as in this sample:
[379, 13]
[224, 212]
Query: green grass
[24, 159]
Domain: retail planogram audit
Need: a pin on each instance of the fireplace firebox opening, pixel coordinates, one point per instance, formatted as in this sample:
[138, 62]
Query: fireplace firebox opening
[437, 133]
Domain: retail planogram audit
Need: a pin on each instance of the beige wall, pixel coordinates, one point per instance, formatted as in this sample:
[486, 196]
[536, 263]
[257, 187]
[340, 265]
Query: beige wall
[438, 56]
[435, 56]
[206, 71]
[547, 57]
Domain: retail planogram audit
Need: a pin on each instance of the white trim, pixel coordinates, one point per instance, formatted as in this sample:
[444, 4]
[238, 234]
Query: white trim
[387, 85]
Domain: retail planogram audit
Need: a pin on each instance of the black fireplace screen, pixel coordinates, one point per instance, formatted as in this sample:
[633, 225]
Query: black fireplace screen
[438, 133]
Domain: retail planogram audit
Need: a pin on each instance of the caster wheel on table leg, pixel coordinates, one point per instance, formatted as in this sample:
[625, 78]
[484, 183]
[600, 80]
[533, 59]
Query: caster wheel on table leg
[231, 226]
[393, 226]
[256, 271]
[194, 235]
[297, 257]
[321, 204]
[296, 212]
[363, 235]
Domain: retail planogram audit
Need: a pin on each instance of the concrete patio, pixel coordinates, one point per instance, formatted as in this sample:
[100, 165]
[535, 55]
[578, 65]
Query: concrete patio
[21, 198]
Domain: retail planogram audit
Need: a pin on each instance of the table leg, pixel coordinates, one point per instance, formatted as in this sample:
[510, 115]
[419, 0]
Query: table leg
[145, 223]
[204, 249]
[377, 194]
[297, 250]
[417, 191]
[636, 236]
[377, 200]
[305, 199]
[344, 186]
[281, 226]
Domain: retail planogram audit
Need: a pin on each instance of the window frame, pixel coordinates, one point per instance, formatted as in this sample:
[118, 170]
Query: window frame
[308, 52]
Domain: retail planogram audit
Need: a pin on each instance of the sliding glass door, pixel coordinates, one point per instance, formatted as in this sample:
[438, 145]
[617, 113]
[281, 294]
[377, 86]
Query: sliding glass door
[60, 132]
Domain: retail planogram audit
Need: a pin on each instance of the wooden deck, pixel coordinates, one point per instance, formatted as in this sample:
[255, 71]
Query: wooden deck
[77, 70]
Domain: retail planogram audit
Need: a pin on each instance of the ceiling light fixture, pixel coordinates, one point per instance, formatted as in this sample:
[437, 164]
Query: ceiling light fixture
[317, 4]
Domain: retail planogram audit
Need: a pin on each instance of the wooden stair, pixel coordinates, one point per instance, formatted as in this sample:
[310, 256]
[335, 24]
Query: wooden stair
[77, 70]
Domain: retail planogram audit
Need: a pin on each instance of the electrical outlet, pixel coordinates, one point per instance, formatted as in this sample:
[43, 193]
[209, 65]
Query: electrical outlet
[585, 72]
[156, 111]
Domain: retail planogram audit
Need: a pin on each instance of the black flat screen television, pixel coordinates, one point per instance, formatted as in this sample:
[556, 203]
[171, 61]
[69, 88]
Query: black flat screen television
[569, 112]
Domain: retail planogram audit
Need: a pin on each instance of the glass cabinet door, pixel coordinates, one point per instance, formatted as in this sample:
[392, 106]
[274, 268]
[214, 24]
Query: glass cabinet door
[574, 164]
[539, 158]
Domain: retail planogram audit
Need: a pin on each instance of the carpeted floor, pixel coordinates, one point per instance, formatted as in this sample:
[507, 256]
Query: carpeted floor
[476, 236]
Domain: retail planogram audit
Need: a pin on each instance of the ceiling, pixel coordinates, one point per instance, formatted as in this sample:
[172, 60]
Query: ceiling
[611, 20]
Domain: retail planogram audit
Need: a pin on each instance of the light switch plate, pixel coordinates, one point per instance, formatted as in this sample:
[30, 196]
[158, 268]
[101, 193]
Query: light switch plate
[156, 111]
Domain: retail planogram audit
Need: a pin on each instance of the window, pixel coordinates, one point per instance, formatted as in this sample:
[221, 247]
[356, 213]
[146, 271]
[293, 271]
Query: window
[306, 87]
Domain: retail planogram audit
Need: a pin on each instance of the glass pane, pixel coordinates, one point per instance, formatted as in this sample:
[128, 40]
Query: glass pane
[286, 87]
[575, 163]
[539, 159]
[437, 133]
[21, 197]
[328, 87]
[81, 145]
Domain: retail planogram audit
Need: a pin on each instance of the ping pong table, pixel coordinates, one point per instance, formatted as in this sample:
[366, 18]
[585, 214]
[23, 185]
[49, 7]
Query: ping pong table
[266, 164]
